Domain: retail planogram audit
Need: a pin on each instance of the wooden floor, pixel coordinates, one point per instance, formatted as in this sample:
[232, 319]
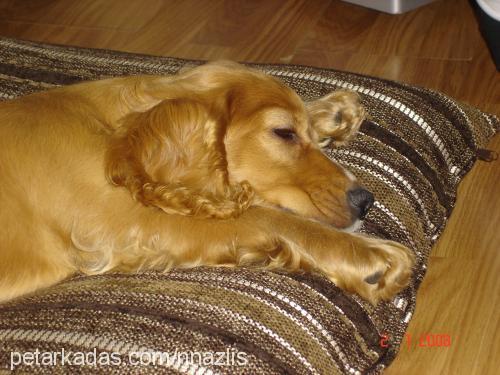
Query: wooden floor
[436, 46]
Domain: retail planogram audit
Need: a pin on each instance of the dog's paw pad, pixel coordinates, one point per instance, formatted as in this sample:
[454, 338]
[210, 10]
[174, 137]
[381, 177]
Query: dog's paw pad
[374, 278]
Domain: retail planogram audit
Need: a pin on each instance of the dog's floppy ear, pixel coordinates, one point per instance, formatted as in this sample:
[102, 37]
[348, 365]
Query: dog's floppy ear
[172, 157]
[336, 117]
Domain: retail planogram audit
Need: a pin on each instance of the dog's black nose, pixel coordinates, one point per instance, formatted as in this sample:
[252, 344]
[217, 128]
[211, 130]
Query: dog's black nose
[360, 200]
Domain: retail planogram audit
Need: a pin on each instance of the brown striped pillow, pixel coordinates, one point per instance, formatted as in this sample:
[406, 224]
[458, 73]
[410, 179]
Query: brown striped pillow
[412, 153]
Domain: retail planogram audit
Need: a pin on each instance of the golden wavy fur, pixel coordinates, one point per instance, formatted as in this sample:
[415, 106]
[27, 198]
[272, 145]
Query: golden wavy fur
[219, 165]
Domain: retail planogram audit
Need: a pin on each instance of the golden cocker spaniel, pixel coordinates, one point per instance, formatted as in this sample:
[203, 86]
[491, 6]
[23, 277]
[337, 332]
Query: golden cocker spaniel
[218, 165]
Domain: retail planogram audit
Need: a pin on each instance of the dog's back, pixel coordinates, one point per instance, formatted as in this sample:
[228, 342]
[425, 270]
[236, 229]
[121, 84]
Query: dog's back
[51, 158]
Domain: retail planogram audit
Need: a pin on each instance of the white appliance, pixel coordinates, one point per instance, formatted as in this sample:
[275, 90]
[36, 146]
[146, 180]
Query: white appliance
[391, 6]
[491, 8]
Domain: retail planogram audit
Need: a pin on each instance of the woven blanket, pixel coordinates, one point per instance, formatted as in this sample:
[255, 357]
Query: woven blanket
[412, 153]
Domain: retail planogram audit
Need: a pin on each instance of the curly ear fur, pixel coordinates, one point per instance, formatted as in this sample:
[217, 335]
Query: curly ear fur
[336, 117]
[172, 157]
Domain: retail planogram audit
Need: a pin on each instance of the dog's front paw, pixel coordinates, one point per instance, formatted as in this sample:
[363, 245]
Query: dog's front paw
[336, 117]
[396, 276]
[375, 269]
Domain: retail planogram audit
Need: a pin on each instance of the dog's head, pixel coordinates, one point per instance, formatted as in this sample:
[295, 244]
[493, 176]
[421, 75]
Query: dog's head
[274, 140]
[259, 130]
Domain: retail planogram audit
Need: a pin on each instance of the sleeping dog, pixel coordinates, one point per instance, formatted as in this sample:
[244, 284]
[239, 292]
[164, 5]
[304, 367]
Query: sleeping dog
[219, 165]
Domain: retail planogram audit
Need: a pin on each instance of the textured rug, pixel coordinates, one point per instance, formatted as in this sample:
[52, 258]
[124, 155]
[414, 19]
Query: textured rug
[412, 154]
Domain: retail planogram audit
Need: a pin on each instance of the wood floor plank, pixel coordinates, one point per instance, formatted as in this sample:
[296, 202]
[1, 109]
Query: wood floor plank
[60, 34]
[334, 32]
[101, 14]
[258, 31]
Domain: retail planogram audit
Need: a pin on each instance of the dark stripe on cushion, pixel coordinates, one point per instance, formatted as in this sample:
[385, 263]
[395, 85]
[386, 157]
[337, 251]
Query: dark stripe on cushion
[39, 75]
[384, 135]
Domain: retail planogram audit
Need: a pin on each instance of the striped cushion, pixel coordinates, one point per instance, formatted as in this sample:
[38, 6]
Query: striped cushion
[412, 153]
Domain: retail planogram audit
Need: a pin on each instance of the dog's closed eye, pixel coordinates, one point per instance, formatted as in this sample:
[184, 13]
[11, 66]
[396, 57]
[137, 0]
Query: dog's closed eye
[285, 133]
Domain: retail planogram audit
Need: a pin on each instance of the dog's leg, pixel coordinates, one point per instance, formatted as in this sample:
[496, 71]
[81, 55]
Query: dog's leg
[24, 270]
[375, 269]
